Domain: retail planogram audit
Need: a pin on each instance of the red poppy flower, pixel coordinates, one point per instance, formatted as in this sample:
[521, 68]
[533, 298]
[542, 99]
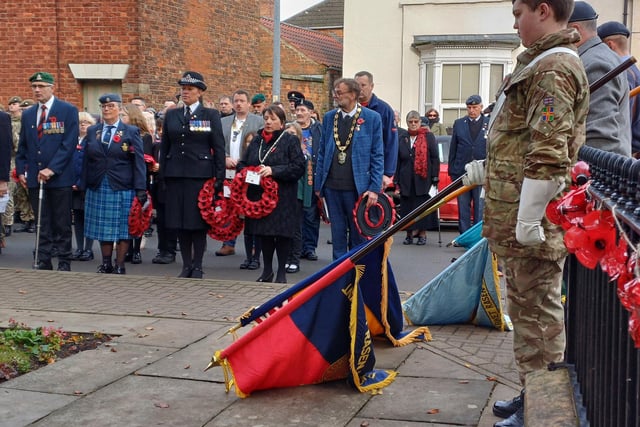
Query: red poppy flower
[116, 139]
[52, 119]
[360, 120]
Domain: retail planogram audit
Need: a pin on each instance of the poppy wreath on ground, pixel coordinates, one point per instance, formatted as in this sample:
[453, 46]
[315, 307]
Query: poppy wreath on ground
[219, 213]
[140, 219]
[254, 208]
[373, 220]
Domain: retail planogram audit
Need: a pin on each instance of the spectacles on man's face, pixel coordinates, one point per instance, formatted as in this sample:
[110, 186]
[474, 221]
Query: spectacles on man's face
[39, 86]
[338, 93]
[413, 121]
[109, 106]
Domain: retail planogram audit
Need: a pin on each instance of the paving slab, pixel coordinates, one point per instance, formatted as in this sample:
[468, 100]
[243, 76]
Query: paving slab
[425, 363]
[86, 372]
[410, 399]
[21, 407]
[191, 361]
[171, 332]
[329, 404]
[388, 356]
[360, 422]
[138, 401]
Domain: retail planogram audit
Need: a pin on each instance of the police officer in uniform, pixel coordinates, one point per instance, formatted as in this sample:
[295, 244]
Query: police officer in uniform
[192, 152]
[48, 136]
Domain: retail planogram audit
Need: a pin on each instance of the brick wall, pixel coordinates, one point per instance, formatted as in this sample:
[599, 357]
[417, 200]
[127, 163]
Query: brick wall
[159, 39]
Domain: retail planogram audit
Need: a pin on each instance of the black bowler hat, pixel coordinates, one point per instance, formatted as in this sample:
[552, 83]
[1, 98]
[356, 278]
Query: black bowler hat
[613, 28]
[305, 103]
[109, 97]
[295, 96]
[192, 78]
[582, 11]
[474, 100]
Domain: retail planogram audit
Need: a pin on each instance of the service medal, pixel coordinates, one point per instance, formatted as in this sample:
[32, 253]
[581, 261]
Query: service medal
[342, 157]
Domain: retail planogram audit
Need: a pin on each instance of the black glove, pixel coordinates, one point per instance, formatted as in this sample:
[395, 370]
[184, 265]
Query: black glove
[435, 180]
[141, 195]
[218, 187]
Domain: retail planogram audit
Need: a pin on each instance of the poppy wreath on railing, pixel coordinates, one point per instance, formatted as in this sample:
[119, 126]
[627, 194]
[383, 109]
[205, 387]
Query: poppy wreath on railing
[139, 218]
[254, 209]
[373, 220]
[219, 213]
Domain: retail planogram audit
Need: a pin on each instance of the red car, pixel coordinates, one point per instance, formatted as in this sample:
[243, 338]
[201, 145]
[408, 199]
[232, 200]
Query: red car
[448, 212]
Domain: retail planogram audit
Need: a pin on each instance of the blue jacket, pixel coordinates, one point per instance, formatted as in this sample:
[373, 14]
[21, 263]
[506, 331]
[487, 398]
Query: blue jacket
[6, 146]
[122, 162]
[389, 133]
[54, 150]
[366, 151]
[462, 149]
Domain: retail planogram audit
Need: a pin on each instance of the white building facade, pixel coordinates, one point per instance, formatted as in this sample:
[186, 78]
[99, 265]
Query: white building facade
[435, 53]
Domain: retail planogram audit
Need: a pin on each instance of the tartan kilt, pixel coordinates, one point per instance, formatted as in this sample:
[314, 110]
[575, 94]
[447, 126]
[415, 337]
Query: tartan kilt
[106, 213]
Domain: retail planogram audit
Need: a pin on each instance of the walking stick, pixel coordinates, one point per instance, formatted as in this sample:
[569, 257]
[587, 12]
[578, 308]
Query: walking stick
[40, 197]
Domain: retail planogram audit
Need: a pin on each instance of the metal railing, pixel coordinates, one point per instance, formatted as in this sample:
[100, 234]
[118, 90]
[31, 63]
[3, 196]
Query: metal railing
[607, 364]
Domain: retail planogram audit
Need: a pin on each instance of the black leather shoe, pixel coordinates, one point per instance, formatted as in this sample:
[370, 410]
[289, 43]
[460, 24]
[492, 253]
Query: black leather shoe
[136, 258]
[105, 269]
[76, 255]
[119, 270]
[311, 256]
[245, 264]
[506, 408]
[196, 273]
[31, 227]
[515, 420]
[186, 272]
[128, 257]
[253, 265]
[44, 265]
[86, 256]
[293, 268]
[408, 241]
[64, 266]
[7, 230]
[265, 278]
[164, 258]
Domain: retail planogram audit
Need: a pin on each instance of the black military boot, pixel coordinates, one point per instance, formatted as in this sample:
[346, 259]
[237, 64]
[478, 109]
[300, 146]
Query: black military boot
[515, 420]
[506, 408]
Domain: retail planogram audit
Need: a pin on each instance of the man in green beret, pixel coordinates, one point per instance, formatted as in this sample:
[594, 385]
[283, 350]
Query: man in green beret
[48, 137]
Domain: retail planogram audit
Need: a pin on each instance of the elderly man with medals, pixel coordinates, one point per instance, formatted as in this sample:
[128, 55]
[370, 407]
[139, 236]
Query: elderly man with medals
[349, 164]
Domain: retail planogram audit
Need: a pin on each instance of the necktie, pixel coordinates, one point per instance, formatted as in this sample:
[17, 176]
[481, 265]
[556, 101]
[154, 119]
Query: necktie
[106, 135]
[43, 117]
[187, 112]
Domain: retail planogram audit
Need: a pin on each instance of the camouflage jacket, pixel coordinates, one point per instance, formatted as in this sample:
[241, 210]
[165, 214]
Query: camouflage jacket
[536, 134]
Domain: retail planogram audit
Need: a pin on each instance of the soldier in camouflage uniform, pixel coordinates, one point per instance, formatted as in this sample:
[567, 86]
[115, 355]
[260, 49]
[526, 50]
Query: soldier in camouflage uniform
[20, 196]
[537, 127]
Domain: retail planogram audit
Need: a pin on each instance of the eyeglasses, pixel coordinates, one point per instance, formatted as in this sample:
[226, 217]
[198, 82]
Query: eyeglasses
[413, 121]
[338, 93]
[109, 106]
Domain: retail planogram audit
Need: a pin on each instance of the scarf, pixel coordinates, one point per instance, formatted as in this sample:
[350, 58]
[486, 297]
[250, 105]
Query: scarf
[420, 152]
[267, 136]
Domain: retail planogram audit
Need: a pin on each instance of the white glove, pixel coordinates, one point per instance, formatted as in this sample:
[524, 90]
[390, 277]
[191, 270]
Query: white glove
[534, 198]
[475, 173]
[433, 190]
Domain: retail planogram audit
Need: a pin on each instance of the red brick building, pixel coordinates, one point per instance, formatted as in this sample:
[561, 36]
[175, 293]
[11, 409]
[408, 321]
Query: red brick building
[133, 47]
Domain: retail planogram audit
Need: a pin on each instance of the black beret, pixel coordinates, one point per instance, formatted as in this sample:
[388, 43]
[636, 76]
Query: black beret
[306, 103]
[109, 97]
[192, 78]
[294, 96]
[582, 11]
[613, 28]
[474, 100]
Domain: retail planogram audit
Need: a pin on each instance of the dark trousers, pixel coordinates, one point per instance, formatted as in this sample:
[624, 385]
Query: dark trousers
[310, 227]
[344, 234]
[55, 222]
[167, 238]
[465, 202]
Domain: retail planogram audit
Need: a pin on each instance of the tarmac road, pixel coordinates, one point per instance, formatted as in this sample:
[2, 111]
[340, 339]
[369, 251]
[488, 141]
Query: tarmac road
[412, 265]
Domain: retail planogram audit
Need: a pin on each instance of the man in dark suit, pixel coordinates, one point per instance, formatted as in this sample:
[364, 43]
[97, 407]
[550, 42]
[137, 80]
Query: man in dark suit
[468, 142]
[349, 164]
[6, 147]
[48, 137]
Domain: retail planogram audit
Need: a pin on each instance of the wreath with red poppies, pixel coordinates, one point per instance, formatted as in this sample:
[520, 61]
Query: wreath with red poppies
[139, 218]
[219, 213]
[254, 208]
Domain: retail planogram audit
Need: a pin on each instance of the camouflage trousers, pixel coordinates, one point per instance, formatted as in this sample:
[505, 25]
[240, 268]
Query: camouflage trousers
[21, 204]
[534, 292]
[7, 216]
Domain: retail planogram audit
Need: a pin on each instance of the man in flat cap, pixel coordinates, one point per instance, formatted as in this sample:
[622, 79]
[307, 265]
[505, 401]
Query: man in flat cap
[294, 98]
[468, 142]
[48, 137]
[258, 103]
[608, 122]
[616, 36]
